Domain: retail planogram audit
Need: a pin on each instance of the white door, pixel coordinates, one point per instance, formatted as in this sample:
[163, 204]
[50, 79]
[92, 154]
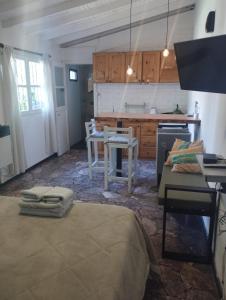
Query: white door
[61, 110]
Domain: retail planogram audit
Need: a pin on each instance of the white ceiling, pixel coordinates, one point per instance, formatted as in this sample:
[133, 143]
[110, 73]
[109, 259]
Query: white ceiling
[63, 21]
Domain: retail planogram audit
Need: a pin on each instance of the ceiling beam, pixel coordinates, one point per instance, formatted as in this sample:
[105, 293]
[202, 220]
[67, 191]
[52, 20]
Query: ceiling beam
[68, 18]
[85, 39]
[7, 5]
[44, 12]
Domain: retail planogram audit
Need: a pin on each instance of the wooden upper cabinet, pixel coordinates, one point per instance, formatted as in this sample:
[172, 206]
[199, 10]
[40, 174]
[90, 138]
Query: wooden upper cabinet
[168, 68]
[134, 59]
[117, 71]
[100, 67]
[150, 66]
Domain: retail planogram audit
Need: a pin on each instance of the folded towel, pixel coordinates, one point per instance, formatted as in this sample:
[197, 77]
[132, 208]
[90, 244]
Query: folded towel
[43, 205]
[46, 209]
[57, 194]
[35, 193]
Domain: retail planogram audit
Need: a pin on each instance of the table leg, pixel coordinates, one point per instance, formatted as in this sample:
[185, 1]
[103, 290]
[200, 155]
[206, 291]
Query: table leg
[119, 154]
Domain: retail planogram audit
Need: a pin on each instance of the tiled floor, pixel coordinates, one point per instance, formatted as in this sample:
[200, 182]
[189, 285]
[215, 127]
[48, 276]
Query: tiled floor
[176, 280]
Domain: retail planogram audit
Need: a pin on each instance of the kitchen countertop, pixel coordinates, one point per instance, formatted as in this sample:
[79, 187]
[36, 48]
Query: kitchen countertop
[174, 118]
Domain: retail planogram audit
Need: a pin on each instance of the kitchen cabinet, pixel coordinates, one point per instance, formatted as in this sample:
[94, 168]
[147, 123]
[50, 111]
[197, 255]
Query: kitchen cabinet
[134, 59]
[136, 132]
[150, 66]
[100, 127]
[116, 63]
[148, 139]
[168, 68]
[100, 67]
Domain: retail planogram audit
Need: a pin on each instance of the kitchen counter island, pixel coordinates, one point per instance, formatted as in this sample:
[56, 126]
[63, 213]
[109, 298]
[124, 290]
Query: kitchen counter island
[144, 126]
[169, 118]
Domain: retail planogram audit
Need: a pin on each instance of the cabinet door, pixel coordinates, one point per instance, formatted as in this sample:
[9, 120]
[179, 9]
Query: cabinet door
[100, 127]
[100, 67]
[117, 72]
[150, 66]
[134, 59]
[148, 140]
[136, 132]
[168, 68]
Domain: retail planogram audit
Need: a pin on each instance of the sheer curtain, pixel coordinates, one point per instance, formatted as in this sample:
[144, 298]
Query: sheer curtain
[11, 111]
[48, 110]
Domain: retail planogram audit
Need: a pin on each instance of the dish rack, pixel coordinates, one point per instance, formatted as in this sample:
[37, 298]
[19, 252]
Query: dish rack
[141, 107]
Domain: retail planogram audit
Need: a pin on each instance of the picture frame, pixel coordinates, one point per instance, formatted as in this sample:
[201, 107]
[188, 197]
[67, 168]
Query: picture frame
[73, 75]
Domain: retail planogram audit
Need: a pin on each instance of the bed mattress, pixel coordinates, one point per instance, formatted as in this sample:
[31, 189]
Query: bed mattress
[97, 251]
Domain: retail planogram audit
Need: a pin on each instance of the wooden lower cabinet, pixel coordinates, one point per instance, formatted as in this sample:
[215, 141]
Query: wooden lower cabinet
[148, 140]
[100, 127]
[145, 132]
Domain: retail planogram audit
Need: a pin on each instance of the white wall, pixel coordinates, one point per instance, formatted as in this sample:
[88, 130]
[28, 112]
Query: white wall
[212, 106]
[112, 97]
[1, 107]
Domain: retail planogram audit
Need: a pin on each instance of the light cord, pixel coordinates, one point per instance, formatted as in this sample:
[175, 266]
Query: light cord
[167, 25]
[130, 26]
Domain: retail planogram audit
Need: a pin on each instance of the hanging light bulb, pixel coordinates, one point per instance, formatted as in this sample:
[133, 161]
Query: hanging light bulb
[129, 70]
[165, 52]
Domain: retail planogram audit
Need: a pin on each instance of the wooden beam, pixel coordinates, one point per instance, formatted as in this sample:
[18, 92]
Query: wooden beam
[85, 39]
[7, 5]
[44, 12]
[68, 18]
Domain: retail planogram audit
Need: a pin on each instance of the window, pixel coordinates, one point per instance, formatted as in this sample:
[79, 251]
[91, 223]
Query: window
[29, 78]
[73, 75]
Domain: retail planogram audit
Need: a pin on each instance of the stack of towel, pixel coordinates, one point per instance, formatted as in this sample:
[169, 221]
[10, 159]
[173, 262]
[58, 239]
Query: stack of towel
[46, 201]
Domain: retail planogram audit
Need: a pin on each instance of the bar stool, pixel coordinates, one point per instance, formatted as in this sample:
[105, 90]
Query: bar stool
[119, 138]
[92, 138]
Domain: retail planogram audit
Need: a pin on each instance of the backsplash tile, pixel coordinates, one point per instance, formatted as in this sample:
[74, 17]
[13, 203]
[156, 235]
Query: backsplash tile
[110, 97]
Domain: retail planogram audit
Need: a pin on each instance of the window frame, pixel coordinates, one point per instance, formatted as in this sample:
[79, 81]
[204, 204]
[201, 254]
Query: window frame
[28, 57]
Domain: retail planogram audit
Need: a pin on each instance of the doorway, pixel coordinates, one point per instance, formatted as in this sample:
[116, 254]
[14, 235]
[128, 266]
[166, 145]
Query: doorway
[80, 101]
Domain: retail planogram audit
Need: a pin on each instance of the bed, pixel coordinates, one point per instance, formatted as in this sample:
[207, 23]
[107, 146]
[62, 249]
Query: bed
[97, 251]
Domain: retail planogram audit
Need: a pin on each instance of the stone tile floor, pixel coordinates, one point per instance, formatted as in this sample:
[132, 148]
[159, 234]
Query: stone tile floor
[176, 280]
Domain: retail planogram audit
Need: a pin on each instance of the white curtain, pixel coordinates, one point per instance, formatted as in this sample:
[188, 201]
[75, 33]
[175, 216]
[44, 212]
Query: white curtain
[11, 111]
[48, 110]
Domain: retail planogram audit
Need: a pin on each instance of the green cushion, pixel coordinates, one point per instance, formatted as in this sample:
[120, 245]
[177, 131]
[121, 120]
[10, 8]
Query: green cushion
[184, 158]
[184, 145]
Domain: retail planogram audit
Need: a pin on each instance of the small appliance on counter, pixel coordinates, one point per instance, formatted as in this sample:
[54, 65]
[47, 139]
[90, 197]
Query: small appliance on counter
[153, 110]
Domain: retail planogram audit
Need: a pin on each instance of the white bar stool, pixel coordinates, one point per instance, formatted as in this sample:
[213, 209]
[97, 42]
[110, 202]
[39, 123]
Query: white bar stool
[92, 138]
[119, 138]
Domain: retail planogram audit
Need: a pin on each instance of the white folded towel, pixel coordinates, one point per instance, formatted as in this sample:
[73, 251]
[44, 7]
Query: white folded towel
[35, 194]
[57, 194]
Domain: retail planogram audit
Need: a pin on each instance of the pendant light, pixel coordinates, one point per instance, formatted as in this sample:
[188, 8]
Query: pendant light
[129, 70]
[165, 52]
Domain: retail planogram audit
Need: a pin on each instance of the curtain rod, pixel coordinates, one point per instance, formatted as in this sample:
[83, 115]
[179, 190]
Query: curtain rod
[28, 51]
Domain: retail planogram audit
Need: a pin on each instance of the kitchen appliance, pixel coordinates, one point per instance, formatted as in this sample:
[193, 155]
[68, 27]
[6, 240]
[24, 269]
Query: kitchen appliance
[166, 135]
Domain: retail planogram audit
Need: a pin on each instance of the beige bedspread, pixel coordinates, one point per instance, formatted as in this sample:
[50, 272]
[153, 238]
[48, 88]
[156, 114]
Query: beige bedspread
[97, 252]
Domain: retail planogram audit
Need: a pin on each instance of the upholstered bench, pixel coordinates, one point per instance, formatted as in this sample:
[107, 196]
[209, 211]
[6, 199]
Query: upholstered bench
[188, 194]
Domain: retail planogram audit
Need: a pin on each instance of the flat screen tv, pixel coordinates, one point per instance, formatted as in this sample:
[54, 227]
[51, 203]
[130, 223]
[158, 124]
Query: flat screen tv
[202, 64]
